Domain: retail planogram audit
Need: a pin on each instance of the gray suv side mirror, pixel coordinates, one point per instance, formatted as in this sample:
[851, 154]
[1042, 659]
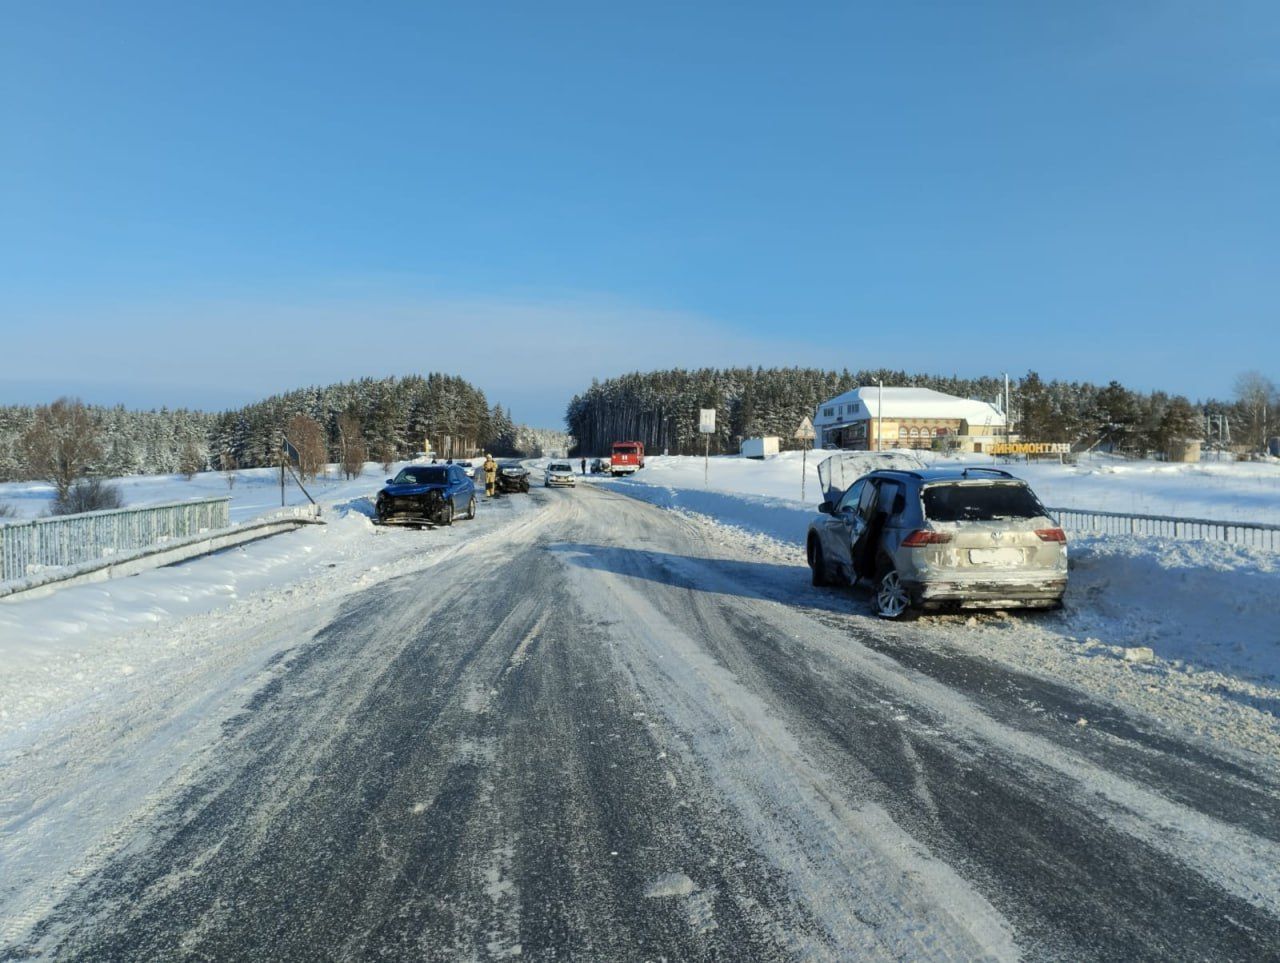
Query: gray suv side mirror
[827, 508]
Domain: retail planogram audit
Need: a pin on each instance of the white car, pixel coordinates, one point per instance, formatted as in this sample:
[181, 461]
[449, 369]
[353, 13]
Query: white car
[560, 473]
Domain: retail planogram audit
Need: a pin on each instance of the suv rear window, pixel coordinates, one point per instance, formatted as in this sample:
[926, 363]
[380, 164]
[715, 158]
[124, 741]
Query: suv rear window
[980, 503]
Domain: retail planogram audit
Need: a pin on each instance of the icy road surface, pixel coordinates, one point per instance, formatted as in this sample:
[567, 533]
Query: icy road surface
[590, 734]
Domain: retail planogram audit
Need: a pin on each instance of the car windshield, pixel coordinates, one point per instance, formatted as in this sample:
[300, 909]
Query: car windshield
[559, 466]
[422, 476]
[968, 502]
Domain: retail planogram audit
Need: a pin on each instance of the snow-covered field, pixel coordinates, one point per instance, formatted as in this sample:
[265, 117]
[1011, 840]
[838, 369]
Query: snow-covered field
[1235, 491]
[256, 491]
[1208, 612]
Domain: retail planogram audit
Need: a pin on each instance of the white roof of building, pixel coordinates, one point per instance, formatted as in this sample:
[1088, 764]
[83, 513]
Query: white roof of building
[913, 403]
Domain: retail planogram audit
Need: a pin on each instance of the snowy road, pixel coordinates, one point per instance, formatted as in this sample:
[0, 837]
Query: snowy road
[596, 735]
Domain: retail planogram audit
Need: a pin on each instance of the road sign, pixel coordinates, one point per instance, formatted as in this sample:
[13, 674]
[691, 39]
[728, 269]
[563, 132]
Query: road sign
[707, 421]
[804, 433]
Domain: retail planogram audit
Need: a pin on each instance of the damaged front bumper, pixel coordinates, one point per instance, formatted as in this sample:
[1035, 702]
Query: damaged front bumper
[410, 509]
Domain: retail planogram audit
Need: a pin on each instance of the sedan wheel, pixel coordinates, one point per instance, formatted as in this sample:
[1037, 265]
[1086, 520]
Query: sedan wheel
[471, 507]
[446, 513]
[890, 596]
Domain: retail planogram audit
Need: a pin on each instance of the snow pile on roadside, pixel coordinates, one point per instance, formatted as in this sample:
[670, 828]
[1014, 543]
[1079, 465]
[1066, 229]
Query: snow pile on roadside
[1194, 604]
[75, 641]
[77, 644]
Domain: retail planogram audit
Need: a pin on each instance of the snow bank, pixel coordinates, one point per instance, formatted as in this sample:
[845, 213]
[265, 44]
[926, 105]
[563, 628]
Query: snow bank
[75, 645]
[1194, 604]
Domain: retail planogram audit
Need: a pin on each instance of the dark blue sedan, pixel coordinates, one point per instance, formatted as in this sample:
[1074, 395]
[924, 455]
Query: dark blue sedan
[426, 494]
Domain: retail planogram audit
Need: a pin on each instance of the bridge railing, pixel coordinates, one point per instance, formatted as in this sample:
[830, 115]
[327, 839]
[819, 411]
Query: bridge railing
[1252, 534]
[29, 547]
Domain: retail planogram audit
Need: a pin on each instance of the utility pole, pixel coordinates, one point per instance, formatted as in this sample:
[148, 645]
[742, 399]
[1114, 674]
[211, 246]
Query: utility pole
[1008, 424]
[880, 417]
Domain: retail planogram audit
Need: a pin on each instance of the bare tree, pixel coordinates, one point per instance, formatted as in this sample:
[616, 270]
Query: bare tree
[7, 510]
[352, 450]
[1257, 393]
[61, 444]
[227, 465]
[308, 438]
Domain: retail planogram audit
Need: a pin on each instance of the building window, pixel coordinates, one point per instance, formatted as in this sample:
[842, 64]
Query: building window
[828, 412]
[902, 431]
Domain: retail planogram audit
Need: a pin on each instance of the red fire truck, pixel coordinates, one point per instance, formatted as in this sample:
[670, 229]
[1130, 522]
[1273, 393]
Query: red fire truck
[628, 456]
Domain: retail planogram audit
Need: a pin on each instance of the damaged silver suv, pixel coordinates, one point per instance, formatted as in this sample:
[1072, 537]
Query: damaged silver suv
[935, 538]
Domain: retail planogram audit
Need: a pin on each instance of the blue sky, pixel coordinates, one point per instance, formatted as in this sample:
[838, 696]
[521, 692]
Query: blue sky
[206, 203]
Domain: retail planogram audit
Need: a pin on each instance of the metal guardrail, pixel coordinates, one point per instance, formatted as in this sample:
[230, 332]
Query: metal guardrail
[1252, 534]
[29, 547]
[310, 511]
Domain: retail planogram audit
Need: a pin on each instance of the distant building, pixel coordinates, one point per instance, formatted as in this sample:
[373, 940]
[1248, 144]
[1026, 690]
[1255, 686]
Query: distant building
[912, 418]
[1187, 450]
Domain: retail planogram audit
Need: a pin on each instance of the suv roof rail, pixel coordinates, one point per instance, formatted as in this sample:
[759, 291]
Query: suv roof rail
[897, 471]
[994, 471]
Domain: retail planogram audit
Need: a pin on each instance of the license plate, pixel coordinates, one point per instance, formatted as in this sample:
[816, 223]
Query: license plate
[995, 556]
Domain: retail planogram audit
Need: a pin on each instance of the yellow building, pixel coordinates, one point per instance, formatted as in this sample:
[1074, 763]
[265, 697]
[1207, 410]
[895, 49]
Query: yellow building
[909, 418]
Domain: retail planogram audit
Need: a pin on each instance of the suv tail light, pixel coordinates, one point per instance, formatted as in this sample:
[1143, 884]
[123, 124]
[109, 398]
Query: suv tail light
[922, 536]
[1051, 534]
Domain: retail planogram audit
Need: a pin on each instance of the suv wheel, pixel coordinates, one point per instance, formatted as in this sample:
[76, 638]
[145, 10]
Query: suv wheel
[817, 564]
[889, 596]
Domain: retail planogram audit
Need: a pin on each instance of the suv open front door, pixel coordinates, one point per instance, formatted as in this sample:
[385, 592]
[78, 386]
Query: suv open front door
[864, 531]
[849, 541]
